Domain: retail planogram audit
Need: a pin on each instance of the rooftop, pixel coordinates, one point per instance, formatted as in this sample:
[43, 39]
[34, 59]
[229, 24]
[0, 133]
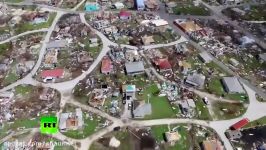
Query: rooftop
[232, 85]
[52, 73]
[132, 67]
[188, 26]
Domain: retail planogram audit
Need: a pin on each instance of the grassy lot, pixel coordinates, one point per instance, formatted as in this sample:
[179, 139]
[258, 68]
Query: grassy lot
[122, 136]
[27, 123]
[223, 110]
[164, 37]
[5, 29]
[241, 97]
[157, 104]
[256, 13]
[215, 87]
[23, 27]
[23, 89]
[93, 50]
[259, 122]
[11, 75]
[182, 144]
[64, 148]
[202, 110]
[4, 48]
[158, 132]
[89, 128]
[10, 78]
[15, 1]
[191, 10]
[123, 40]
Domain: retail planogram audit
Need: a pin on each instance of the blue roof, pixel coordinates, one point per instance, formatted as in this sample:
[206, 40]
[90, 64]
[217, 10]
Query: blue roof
[91, 7]
[140, 2]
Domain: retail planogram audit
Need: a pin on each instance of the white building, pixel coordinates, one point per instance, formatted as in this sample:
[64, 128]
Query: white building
[119, 5]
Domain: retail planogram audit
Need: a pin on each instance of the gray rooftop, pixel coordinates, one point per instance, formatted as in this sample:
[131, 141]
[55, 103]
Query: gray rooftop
[142, 110]
[206, 57]
[232, 85]
[263, 56]
[196, 80]
[132, 67]
[57, 44]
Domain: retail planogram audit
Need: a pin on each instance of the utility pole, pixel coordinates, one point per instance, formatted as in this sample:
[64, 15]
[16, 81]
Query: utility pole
[149, 98]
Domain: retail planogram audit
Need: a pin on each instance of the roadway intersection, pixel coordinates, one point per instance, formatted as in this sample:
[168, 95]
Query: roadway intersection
[255, 109]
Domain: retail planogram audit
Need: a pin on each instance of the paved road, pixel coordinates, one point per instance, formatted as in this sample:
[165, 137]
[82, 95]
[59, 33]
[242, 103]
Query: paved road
[66, 87]
[23, 34]
[170, 18]
[217, 12]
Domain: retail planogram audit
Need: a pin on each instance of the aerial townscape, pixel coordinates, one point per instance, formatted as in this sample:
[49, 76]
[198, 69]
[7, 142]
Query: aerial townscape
[133, 75]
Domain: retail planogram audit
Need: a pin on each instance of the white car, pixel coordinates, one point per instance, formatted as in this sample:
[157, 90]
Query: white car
[205, 100]
[48, 79]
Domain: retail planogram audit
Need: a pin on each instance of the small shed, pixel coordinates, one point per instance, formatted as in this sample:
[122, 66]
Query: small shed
[240, 124]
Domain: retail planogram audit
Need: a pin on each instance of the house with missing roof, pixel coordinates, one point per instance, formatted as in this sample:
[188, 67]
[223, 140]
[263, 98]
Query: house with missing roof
[106, 66]
[163, 64]
[47, 94]
[172, 136]
[71, 120]
[212, 145]
[6, 96]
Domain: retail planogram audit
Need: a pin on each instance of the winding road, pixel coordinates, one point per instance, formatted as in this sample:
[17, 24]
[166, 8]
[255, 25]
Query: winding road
[66, 87]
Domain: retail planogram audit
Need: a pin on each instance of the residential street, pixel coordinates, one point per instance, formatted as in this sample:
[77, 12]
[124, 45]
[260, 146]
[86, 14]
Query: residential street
[66, 88]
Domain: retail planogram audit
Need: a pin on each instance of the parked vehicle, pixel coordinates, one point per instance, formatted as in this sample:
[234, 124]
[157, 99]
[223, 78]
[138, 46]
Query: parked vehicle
[48, 79]
[205, 100]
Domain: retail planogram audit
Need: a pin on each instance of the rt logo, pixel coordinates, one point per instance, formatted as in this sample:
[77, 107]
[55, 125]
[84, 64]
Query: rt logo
[49, 125]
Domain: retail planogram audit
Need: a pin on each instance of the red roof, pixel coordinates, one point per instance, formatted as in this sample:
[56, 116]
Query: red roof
[240, 124]
[56, 73]
[163, 64]
[124, 13]
[106, 65]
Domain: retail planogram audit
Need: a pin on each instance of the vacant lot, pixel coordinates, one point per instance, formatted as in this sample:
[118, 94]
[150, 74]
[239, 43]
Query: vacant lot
[23, 27]
[157, 103]
[223, 110]
[191, 10]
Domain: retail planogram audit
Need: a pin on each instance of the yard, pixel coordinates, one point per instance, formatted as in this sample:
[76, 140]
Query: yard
[23, 27]
[182, 144]
[259, 122]
[157, 104]
[224, 111]
[202, 110]
[11, 76]
[19, 123]
[89, 127]
[123, 136]
[191, 10]
[257, 13]
[93, 50]
[215, 87]
[15, 1]
[4, 47]
[23, 89]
